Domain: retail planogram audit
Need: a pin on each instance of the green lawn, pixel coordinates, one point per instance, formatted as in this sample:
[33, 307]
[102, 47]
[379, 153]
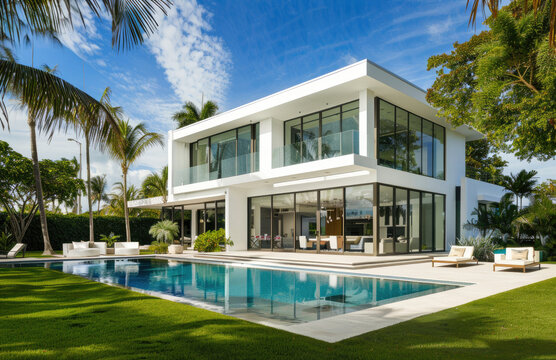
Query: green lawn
[47, 314]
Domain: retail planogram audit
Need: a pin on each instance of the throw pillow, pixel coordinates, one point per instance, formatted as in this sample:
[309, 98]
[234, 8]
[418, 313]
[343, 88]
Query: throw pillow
[519, 254]
[80, 244]
[457, 252]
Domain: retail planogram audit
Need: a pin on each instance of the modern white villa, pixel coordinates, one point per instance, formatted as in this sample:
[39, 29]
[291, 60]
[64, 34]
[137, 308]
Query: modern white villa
[354, 161]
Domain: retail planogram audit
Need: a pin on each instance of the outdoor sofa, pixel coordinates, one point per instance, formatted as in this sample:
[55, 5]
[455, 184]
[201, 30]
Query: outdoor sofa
[517, 258]
[126, 248]
[84, 249]
[458, 255]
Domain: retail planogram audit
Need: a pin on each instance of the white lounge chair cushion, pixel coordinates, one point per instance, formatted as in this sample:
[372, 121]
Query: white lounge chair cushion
[80, 244]
[515, 262]
[452, 258]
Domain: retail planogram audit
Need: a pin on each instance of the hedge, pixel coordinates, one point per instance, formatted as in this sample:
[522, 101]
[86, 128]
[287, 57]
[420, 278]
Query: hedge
[70, 227]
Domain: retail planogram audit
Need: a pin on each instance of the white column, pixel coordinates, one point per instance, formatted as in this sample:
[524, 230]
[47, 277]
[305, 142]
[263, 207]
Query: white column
[170, 146]
[193, 226]
[236, 218]
[271, 136]
[367, 123]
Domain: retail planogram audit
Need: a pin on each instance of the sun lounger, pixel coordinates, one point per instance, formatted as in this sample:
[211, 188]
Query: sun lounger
[458, 255]
[517, 258]
[19, 247]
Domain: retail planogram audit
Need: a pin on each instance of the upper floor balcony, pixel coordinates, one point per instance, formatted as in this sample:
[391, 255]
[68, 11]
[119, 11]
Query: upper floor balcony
[324, 147]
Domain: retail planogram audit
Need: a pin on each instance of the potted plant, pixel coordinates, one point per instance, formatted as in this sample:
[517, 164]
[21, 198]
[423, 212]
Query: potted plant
[164, 232]
[110, 240]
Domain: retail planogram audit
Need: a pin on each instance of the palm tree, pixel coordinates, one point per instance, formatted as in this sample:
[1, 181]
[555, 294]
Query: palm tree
[156, 184]
[521, 185]
[126, 148]
[95, 132]
[190, 114]
[117, 199]
[98, 190]
[48, 98]
[538, 5]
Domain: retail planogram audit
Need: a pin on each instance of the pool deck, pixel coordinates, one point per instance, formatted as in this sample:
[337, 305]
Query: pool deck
[483, 282]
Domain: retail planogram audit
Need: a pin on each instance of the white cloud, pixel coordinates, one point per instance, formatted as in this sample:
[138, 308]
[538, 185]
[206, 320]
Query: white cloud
[80, 37]
[349, 59]
[194, 61]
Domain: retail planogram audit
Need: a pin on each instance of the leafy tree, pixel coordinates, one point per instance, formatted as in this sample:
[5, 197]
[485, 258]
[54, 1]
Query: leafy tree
[503, 83]
[482, 163]
[540, 217]
[547, 188]
[117, 201]
[98, 190]
[126, 147]
[503, 215]
[483, 220]
[190, 114]
[537, 5]
[18, 193]
[156, 184]
[521, 184]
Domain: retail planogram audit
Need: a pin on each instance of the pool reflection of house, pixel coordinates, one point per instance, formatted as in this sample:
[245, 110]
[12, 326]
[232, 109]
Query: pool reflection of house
[352, 161]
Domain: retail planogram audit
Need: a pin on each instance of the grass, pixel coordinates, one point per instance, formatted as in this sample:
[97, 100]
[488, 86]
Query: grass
[50, 315]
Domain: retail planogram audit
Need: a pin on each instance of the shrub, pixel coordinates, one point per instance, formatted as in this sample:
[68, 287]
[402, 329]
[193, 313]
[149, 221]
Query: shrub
[164, 231]
[159, 247]
[484, 247]
[211, 241]
[110, 239]
[7, 241]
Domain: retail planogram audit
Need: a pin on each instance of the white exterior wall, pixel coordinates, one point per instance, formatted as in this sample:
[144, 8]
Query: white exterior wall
[364, 81]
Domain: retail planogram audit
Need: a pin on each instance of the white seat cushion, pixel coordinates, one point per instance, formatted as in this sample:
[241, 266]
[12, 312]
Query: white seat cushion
[83, 252]
[514, 262]
[451, 258]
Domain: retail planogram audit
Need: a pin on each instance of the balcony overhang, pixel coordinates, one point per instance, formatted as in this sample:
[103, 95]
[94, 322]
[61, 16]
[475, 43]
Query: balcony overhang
[186, 201]
[321, 170]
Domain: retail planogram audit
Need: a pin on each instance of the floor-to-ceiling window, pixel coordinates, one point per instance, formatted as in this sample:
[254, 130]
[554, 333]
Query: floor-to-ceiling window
[343, 220]
[332, 219]
[306, 207]
[358, 233]
[283, 221]
[410, 143]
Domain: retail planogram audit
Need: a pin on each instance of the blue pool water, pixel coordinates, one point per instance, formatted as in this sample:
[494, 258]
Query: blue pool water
[258, 293]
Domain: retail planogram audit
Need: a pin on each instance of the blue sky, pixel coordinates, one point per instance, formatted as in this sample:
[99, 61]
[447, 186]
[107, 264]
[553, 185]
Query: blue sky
[237, 51]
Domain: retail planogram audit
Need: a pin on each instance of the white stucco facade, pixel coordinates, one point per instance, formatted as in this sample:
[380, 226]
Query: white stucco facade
[363, 81]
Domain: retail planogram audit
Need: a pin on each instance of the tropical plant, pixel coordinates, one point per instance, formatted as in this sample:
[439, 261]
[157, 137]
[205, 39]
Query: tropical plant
[110, 239]
[482, 220]
[536, 5]
[540, 217]
[7, 241]
[484, 247]
[521, 185]
[126, 147]
[502, 82]
[156, 184]
[190, 114]
[211, 241]
[98, 190]
[18, 193]
[164, 231]
[502, 217]
[159, 247]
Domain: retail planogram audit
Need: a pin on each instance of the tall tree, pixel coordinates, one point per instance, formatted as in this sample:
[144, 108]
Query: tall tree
[98, 190]
[482, 162]
[503, 83]
[117, 200]
[536, 5]
[18, 193]
[127, 147]
[156, 184]
[521, 184]
[190, 114]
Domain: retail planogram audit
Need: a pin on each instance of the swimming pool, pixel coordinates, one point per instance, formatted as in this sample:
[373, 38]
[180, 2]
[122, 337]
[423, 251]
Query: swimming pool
[257, 293]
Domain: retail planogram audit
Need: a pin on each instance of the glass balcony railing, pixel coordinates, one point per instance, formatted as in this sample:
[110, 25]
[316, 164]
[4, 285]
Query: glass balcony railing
[223, 168]
[325, 147]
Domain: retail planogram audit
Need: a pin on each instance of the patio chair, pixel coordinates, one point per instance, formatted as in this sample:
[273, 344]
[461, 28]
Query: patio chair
[303, 242]
[126, 248]
[333, 243]
[18, 248]
[458, 255]
[517, 258]
[81, 249]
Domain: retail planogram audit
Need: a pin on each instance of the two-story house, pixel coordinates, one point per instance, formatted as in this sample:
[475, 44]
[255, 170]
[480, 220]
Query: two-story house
[353, 161]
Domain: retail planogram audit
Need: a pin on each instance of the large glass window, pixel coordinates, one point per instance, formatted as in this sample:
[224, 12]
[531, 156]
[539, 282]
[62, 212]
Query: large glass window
[259, 222]
[293, 141]
[427, 148]
[283, 221]
[231, 153]
[414, 221]
[401, 243]
[439, 218]
[385, 220]
[331, 128]
[439, 134]
[410, 143]
[332, 219]
[306, 207]
[427, 222]
[359, 218]
[387, 134]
